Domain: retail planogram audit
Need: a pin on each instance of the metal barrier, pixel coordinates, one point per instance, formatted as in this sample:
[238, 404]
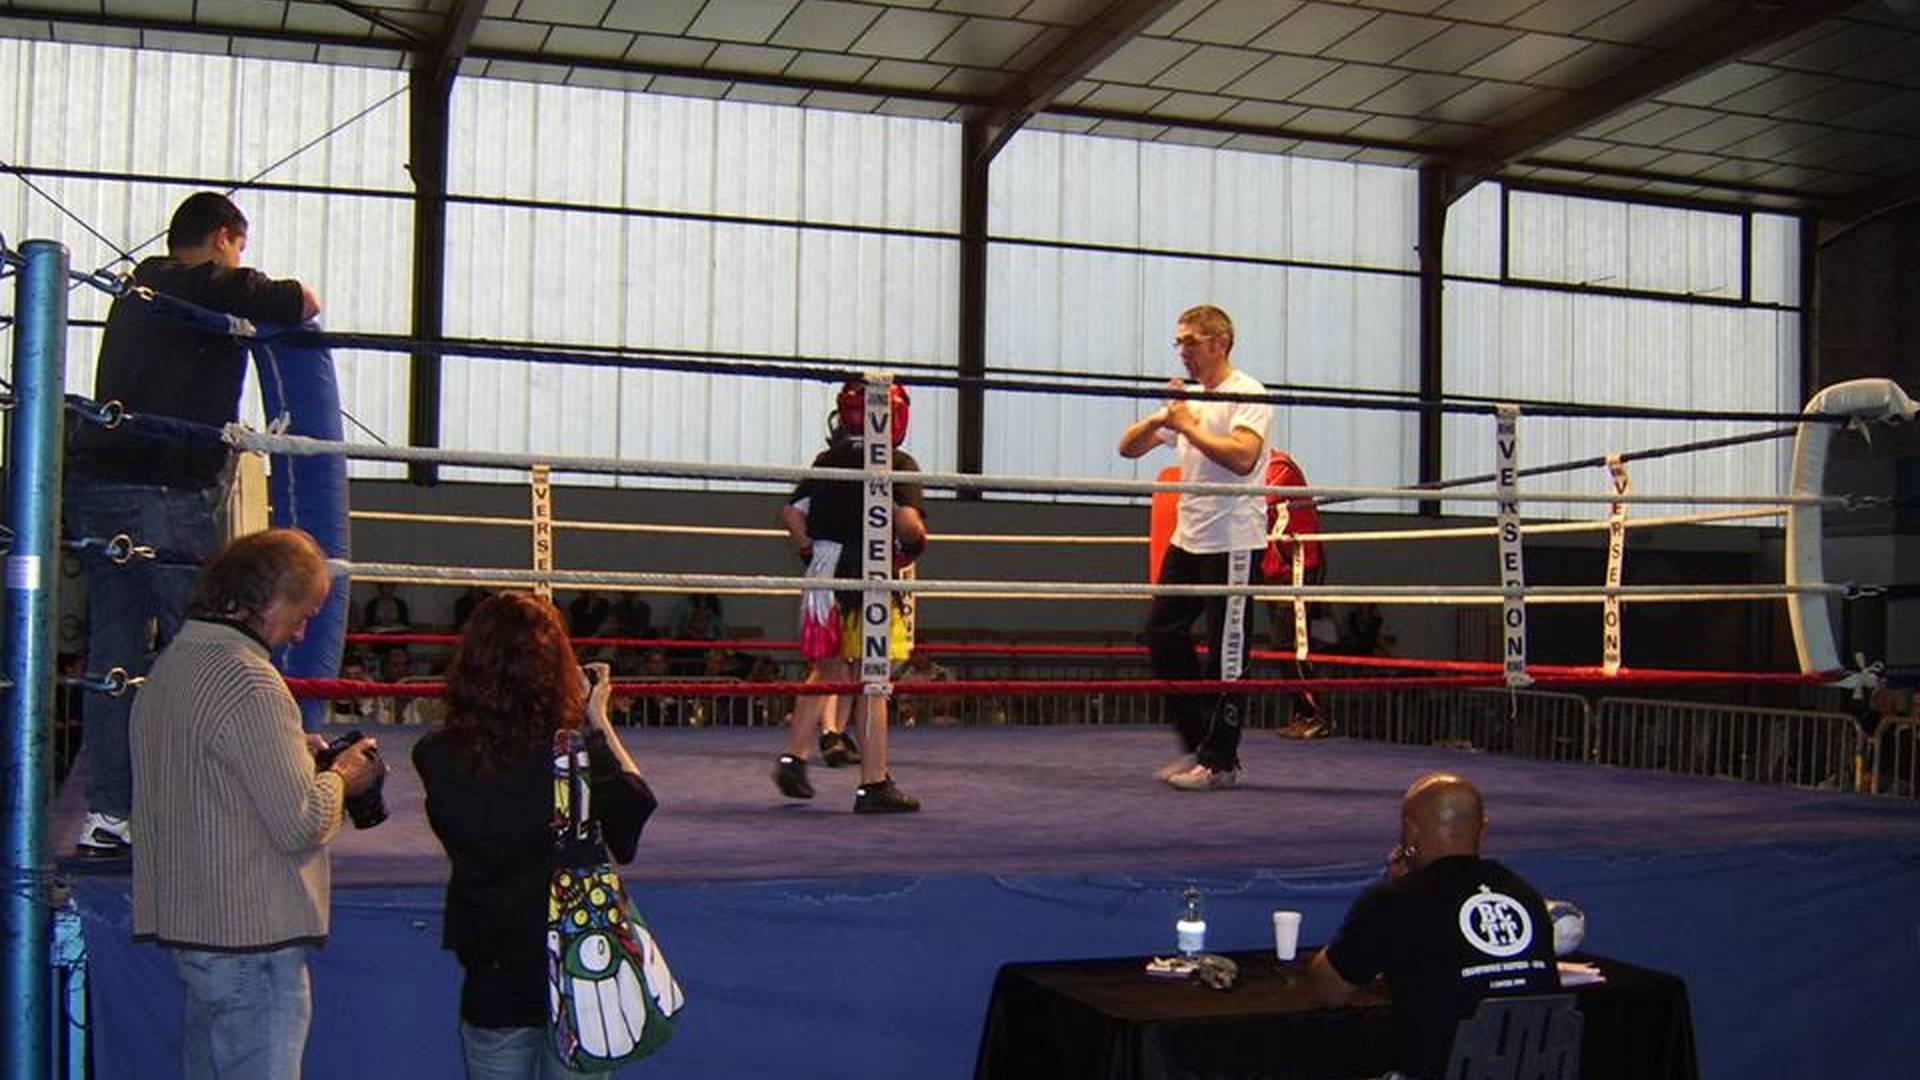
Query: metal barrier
[1523, 723]
[1895, 769]
[1366, 714]
[1795, 747]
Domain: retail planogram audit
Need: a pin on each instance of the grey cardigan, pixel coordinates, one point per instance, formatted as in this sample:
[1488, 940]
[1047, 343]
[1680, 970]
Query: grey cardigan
[230, 818]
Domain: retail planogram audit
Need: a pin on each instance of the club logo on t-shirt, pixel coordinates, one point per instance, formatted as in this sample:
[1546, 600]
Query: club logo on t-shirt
[1496, 923]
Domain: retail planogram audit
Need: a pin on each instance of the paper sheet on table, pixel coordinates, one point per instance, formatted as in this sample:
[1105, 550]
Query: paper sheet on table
[1575, 974]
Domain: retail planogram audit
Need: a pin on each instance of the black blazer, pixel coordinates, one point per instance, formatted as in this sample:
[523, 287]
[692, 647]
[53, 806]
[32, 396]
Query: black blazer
[497, 834]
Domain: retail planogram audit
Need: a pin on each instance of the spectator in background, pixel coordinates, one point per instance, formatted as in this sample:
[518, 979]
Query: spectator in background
[353, 710]
[385, 610]
[719, 665]
[697, 617]
[620, 709]
[1323, 633]
[631, 617]
[463, 607]
[654, 710]
[767, 710]
[1366, 631]
[397, 667]
[396, 664]
[936, 710]
[588, 614]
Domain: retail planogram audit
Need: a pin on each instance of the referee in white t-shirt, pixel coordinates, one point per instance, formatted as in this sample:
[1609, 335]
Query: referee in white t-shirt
[1216, 541]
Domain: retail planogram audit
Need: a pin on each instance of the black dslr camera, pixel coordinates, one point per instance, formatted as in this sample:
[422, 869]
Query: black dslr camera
[369, 808]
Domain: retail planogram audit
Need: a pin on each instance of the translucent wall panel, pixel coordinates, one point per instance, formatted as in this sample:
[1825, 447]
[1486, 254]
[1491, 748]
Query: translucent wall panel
[1242, 218]
[1776, 260]
[832, 287]
[697, 156]
[1085, 190]
[657, 416]
[1518, 343]
[1472, 243]
[214, 121]
[1110, 313]
[558, 279]
[1624, 246]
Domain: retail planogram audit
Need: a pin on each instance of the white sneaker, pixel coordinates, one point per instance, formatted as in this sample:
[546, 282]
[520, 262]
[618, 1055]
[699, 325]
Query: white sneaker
[1173, 768]
[1201, 778]
[104, 835]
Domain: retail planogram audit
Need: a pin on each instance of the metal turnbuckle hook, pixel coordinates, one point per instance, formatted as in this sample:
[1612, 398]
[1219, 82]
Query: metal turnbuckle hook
[114, 682]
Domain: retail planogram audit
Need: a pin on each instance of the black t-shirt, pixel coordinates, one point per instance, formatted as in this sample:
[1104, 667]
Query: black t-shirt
[498, 837]
[1445, 936]
[160, 366]
[834, 506]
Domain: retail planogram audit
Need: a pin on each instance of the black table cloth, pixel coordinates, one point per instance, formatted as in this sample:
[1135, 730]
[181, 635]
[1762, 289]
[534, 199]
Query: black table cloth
[1109, 1020]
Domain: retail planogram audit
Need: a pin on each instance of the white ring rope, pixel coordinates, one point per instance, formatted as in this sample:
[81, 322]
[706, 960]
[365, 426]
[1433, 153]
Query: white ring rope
[242, 438]
[742, 531]
[1473, 531]
[1864, 400]
[1463, 532]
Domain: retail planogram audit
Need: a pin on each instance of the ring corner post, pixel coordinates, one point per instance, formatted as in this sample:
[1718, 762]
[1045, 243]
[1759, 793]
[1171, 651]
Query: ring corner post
[33, 458]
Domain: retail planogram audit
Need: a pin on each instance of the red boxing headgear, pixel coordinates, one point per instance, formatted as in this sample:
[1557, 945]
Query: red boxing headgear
[851, 408]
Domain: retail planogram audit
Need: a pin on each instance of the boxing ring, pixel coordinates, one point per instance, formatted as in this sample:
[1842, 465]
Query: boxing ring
[813, 943]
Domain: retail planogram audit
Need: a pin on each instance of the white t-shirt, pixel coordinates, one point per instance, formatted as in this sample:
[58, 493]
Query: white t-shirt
[1209, 524]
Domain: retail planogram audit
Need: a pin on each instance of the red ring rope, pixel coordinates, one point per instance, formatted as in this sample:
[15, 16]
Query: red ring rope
[1557, 676]
[1562, 674]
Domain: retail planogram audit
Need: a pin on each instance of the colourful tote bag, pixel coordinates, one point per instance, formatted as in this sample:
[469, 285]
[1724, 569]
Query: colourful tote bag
[611, 996]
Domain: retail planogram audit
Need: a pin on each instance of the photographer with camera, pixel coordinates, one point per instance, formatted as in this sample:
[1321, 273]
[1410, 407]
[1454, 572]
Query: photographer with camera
[235, 811]
[489, 778]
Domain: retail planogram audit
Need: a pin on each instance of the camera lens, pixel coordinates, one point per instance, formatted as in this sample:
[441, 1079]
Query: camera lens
[369, 808]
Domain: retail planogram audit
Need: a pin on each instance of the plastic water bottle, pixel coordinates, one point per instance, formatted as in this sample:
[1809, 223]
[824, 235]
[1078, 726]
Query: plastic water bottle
[1190, 929]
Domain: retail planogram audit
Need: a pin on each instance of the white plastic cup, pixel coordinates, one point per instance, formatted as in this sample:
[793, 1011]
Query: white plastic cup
[1286, 934]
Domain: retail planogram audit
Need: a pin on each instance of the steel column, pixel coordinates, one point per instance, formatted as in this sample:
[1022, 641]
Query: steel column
[33, 459]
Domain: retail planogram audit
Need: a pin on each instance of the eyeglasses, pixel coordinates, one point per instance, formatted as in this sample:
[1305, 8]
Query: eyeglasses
[1186, 341]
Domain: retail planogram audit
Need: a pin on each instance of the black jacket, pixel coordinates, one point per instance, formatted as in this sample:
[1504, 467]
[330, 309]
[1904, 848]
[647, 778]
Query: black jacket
[158, 366]
[497, 835]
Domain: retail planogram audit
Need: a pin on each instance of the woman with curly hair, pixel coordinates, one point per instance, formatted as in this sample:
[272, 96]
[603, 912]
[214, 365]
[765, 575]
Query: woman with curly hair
[488, 775]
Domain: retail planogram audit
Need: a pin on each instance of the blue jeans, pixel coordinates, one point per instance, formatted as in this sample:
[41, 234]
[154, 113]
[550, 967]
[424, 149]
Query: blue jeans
[134, 609]
[246, 1014]
[514, 1053]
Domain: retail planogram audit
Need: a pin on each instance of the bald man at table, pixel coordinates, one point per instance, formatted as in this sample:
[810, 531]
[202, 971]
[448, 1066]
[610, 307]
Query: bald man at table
[1446, 927]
